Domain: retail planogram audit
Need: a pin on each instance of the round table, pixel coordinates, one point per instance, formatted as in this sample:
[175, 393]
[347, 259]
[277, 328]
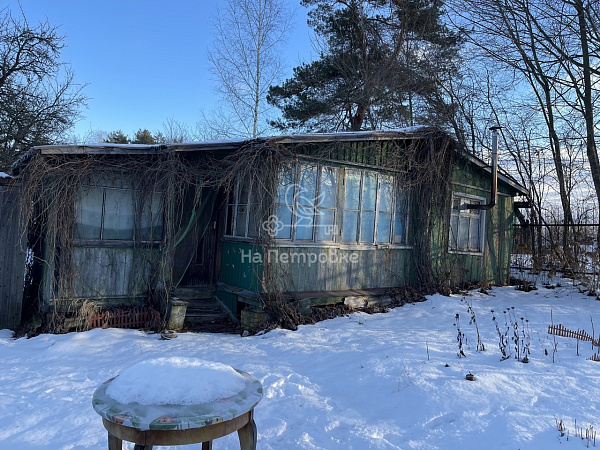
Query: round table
[148, 425]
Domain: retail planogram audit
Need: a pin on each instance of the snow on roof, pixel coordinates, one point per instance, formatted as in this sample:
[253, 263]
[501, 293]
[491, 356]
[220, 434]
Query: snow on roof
[414, 132]
[175, 381]
[232, 144]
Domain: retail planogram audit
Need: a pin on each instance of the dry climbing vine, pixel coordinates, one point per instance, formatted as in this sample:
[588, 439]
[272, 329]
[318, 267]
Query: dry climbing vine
[52, 184]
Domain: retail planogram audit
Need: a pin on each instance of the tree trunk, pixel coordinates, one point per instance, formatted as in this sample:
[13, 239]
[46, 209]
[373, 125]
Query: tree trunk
[588, 112]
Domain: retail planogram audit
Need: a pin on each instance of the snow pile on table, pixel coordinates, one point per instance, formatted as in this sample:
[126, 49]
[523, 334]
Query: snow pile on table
[175, 381]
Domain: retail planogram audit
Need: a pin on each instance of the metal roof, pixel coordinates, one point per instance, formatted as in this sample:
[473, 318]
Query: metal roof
[418, 132]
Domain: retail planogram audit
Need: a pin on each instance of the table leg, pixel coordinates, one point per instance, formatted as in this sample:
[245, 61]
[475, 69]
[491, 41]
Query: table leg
[114, 443]
[142, 447]
[248, 434]
[207, 445]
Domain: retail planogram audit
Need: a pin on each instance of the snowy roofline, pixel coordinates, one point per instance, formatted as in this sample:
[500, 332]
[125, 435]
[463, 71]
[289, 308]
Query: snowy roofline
[226, 144]
[414, 132]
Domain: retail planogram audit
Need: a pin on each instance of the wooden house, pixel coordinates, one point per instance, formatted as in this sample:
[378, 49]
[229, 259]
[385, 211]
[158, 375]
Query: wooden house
[311, 218]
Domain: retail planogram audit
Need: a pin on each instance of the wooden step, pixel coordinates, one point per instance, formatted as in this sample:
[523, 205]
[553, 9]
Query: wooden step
[204, 313]
[186, 293]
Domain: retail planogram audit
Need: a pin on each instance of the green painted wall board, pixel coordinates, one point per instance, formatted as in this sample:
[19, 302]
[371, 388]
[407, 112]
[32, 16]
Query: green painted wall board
[229, 300]
[241, 265]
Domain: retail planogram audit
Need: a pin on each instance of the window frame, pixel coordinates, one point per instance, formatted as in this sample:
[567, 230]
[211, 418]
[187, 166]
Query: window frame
[137, 215]
[393, 211]
[466, 214]
[250, 209]
[340, 178]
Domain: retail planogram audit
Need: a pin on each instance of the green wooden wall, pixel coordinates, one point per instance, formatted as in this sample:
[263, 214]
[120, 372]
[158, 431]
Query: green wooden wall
[493, 265]
[334, 268]
[241, 265]
[331, 269]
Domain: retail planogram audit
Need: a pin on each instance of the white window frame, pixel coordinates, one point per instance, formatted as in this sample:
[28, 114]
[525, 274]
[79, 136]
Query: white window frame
[393, 210]
[134, 194]
[468, 214]
[338, 210]
[235, 208]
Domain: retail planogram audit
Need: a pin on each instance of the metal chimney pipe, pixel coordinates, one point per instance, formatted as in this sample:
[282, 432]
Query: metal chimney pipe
[494, 188]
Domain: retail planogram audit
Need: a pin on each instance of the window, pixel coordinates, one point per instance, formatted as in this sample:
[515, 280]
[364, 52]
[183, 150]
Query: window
[284, 203]
[371, 208]
[375, 209]
[326, 204]
[306, 203]
[108, 213]
[466, 225]
[243, 204]
[401, 216]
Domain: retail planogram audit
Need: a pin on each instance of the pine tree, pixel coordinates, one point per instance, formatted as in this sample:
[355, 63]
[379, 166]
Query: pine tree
[144, 137]
[117, 137]
[381, 65]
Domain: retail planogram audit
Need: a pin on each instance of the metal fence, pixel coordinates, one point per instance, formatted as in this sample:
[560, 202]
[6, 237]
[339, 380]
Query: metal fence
[568, 249]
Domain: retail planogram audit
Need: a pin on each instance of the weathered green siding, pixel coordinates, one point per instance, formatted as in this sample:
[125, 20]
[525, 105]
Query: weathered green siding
[300, 269]
[104, 272]
[494, 264]
[241, 265]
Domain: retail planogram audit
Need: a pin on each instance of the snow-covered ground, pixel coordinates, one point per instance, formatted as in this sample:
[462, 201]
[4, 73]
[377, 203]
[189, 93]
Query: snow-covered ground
[364, 381]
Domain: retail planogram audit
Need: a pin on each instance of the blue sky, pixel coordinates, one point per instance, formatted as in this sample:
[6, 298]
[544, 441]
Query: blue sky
[144, 60]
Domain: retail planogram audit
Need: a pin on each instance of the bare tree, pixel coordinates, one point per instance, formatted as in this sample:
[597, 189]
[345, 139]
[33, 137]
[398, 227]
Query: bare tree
[174, 132]
[39, 99]
[245, 60]
[553, 46]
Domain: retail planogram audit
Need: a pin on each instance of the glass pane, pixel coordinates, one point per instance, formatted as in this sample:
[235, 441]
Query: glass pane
[240, 224]
[400, 229]
[282, 227]
[285, 188]
[384, 226]
[350, 226]
[118, 214]
[308, 185]
[89, 214]
[401, 201]
[254, 220]
[304, 223]
[244, 187]
[369, 191]
[454, 233]
[386, 193]
[326, 228]
[352, 189]
[328, 188]
[151, 226]
[463, 233]
[474, 235]
[367, 226]
[456, 203]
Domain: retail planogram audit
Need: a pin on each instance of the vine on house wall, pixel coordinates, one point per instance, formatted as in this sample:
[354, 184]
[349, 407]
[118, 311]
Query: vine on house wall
[424, 167]
[424, 162]
[51, 188]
